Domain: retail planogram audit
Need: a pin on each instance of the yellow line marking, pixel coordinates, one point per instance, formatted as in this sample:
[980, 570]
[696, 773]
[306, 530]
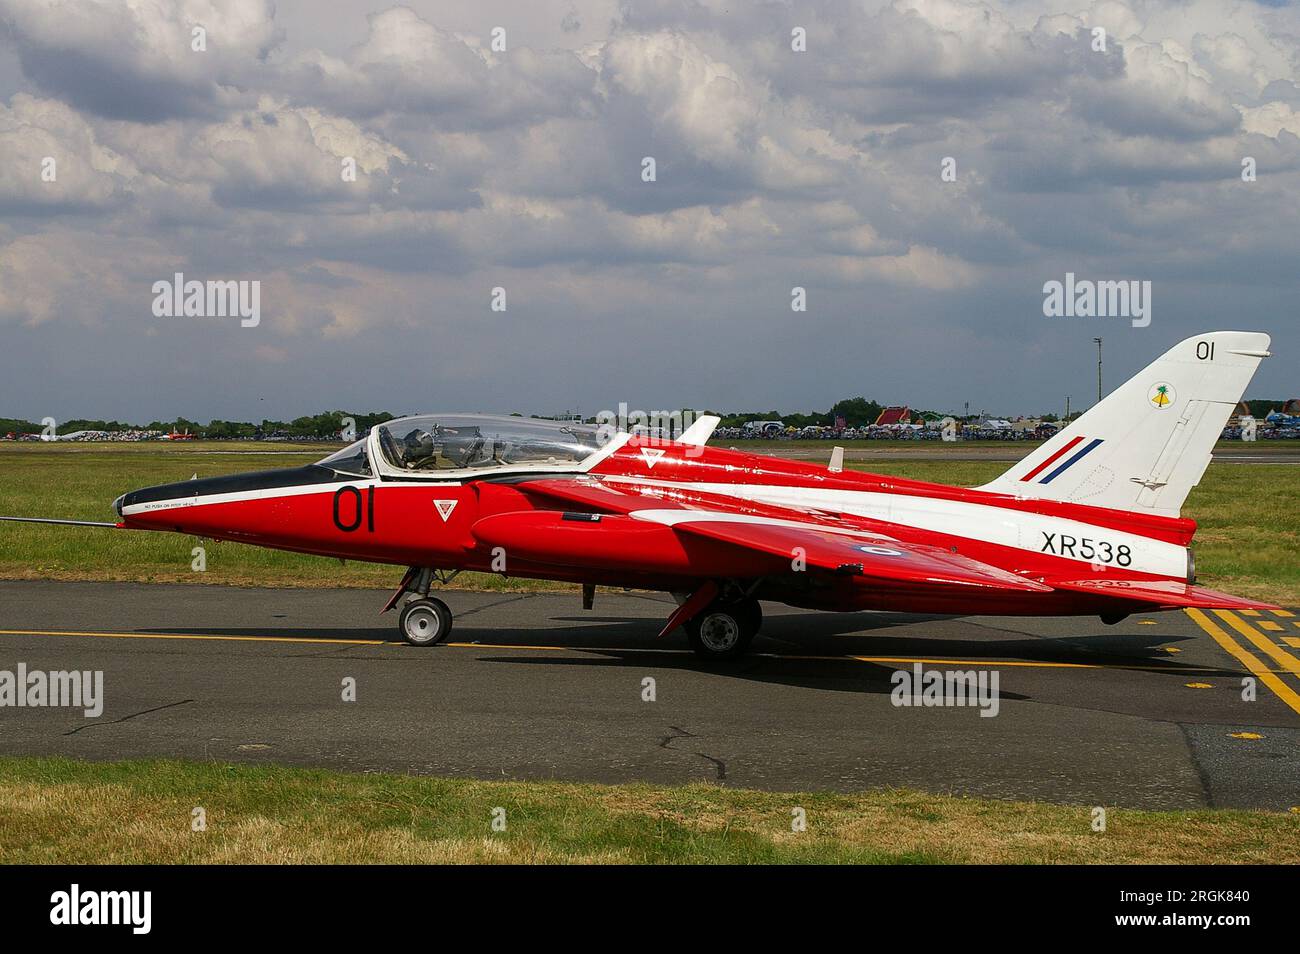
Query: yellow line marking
[1245, 735]
[1198, 685]
[900, 660]
[1280, 689]
[236, 639]
[1156, 666]
[1250, 612]
[967, 662]
[517, 646]
[1285, 614]
[1292, 641]
[1284, 658]
[904, 660]
[1270, 625]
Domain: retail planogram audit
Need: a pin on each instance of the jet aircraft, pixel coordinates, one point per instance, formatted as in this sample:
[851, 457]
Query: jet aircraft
[1089, 523]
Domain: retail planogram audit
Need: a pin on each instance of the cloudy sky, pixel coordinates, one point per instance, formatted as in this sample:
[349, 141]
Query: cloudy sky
[522, 168]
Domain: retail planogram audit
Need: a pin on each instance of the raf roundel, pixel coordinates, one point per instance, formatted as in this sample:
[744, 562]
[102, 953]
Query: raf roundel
[1161, 395]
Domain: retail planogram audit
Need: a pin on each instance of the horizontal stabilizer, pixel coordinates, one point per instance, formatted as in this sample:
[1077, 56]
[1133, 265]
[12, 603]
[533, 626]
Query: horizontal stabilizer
[1163, 592]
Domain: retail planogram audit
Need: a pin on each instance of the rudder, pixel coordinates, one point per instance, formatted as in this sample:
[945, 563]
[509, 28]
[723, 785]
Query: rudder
[1147, 443]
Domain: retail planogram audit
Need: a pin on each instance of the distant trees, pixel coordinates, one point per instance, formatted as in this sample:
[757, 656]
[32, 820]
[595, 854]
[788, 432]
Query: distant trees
[327, 425]
[857, 412]
[1261, 409]
[13, 425]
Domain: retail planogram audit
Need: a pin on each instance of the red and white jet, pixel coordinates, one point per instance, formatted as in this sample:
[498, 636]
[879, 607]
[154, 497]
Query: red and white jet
[1087, 524]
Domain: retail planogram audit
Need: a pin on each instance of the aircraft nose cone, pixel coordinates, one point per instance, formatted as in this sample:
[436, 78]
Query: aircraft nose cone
[117, 504]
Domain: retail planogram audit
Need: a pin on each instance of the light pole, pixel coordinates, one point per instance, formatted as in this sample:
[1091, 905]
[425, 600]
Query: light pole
[1098, 340]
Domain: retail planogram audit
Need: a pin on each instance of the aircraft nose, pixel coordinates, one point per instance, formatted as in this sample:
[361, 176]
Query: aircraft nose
[170, 499]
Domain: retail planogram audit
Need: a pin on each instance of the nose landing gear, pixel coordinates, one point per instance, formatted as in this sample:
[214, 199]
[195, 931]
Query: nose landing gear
[424, 620]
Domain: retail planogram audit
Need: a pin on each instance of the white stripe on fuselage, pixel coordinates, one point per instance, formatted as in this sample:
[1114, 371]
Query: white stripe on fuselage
[983, 522]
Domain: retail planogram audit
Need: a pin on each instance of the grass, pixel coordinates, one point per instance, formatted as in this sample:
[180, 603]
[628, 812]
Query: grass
[1248, 542]
[60, 811]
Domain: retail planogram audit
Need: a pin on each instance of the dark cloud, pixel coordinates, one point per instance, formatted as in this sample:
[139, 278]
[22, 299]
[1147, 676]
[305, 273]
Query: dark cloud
[479, 168]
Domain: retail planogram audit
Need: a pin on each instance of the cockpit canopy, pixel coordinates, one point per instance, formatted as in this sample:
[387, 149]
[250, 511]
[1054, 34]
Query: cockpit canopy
[428, 443]
[353, 460]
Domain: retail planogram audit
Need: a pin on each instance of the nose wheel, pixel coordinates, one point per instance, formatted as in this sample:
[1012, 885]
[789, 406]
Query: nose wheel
[425, 622]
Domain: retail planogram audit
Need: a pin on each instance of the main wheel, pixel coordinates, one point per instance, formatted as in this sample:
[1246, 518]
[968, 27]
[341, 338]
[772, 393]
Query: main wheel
[425, 622]
[724, 630]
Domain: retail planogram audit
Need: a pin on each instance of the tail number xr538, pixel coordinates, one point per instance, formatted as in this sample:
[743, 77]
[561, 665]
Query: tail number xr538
[1083, 548]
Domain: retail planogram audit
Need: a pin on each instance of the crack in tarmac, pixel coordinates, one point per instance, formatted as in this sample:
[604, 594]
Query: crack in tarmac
[719, 766]
[92, 725]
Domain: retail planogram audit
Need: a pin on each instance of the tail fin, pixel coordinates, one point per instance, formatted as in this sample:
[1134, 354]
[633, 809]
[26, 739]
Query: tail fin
[1146, 445]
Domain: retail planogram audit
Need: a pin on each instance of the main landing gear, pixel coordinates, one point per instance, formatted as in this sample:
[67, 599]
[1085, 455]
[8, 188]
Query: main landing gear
[425, 620]
[725, 628]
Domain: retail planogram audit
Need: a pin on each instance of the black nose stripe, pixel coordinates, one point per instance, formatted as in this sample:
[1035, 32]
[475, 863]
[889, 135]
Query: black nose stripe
[230, 484]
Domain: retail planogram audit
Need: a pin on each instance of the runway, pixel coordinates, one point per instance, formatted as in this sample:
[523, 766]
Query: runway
[1149, 713]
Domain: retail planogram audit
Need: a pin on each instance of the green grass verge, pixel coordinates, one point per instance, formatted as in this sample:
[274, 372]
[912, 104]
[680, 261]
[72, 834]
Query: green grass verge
[59, 811]
[1249, 542]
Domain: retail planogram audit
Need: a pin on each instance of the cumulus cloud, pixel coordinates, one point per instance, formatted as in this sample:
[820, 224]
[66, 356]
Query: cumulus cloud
[478, 167]
[407, 65]
[53, 161]
[140, 59]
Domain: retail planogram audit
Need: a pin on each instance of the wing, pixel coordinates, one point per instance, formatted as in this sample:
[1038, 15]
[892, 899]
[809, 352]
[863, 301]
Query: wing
[666, 530]
[885, 561]
[859, 547]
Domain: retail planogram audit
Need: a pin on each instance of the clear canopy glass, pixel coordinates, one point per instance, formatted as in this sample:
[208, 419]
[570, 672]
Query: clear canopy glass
[482, 441]
[352, 459]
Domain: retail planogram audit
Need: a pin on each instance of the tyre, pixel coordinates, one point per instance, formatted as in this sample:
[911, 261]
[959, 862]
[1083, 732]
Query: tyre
[425, 622]
[724, 631]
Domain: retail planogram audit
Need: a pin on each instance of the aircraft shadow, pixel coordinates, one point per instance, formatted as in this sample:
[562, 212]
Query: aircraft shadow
[826, 674]
[782, 652]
